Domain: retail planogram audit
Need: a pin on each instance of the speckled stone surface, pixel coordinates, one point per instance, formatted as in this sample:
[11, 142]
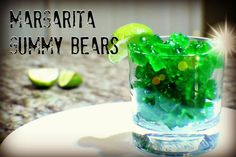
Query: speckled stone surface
[21, 102]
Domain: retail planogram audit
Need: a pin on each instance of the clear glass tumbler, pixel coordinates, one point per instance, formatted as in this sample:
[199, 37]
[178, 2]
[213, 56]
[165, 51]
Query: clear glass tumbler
[176, 109]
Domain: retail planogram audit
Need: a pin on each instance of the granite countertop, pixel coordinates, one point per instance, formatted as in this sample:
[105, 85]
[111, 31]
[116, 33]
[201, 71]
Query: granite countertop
[21, 102]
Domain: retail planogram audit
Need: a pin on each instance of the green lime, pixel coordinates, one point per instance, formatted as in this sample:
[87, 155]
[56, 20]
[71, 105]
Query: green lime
[69, 79]
[43, 77]
[124, 33]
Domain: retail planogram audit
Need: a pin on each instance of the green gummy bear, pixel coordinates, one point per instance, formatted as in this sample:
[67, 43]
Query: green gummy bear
[156, 62]
[211, 89]
[178, 42]
[198, 47]
[136, 56]
[149, 100]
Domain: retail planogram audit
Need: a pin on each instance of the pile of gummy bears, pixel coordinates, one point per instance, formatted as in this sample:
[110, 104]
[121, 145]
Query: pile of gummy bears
[173, 78]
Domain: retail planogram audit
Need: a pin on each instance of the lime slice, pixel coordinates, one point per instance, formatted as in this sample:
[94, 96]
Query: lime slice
[69, 79]
[124, 33]
[43, 77]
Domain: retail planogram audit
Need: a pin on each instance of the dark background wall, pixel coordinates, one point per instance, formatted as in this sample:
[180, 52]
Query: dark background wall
[217, 11]
[214, 13]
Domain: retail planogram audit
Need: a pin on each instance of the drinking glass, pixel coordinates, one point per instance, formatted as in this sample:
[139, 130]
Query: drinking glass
[176, 108]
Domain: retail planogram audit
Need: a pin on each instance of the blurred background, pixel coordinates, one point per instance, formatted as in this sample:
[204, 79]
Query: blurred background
[20, 102]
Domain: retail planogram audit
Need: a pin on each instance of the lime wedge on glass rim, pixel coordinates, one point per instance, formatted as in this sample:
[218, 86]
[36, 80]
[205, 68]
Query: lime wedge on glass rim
[43, 77]
[124, 33]
[69, 79]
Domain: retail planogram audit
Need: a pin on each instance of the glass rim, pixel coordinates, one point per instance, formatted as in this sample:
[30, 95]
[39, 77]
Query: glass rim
[187, 55]
[190, 37]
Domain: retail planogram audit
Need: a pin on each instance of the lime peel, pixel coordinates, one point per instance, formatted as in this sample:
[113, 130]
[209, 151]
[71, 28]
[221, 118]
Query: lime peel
[124, 33]
[69, 79]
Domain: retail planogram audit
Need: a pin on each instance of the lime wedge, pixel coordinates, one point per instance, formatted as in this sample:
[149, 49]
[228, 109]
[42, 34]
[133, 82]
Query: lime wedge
[69, 79]
[43, 77]
[124, 33]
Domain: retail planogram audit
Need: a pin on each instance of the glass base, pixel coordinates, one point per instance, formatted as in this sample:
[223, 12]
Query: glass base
[175, 145]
